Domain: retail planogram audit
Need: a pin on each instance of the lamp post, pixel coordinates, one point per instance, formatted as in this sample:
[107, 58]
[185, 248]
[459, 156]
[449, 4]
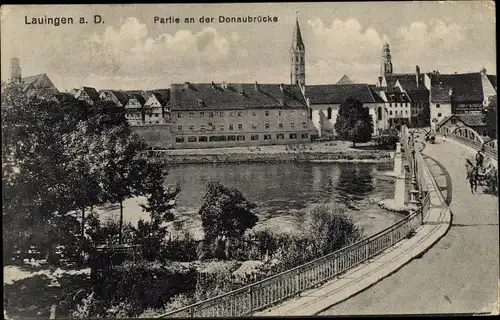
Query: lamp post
[414, 201]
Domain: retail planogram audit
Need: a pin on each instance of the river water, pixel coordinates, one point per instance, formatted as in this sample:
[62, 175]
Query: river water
[283, 192]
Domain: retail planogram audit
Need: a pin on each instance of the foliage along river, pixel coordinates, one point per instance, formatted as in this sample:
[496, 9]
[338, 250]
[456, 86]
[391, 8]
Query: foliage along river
[283, 192]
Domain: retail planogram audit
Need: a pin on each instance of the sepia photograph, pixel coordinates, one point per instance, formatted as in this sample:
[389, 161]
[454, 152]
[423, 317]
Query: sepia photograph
[249, 159]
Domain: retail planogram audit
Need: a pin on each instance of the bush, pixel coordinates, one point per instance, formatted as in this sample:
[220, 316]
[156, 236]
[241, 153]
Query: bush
[386, 141]
[144, 284]
[331, 229]
[177, 302]
[108, 231]
[181, 248]
[214, 279]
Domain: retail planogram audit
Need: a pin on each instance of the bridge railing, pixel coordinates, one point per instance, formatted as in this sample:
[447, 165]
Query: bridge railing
[471, 138]
[275, 289]
[491, 149]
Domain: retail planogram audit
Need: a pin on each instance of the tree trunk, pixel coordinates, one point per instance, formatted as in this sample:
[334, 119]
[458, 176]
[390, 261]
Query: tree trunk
[83, 224]
[120, 236]
[82, 236]
[354, 144]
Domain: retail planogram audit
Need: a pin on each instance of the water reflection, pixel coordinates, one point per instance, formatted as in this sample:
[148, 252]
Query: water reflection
[285, 190]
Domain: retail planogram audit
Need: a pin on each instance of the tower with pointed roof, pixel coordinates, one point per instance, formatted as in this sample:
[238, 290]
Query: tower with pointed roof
[386, 65]
[297, 52]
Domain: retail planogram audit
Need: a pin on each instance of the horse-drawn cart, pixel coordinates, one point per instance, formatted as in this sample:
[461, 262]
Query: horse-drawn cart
[485, 175]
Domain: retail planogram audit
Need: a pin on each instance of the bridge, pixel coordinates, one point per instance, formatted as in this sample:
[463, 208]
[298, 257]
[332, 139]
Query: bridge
[442, 258]
[461, 272]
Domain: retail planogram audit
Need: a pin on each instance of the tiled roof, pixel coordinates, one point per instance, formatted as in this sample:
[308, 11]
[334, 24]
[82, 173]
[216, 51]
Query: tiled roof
[376, 95]
[139, 98]
[204, 96]
[466, 87]
[121, 96]
[132, 92]
[409, 81]
[345, 80]
[493, 80]
[160, 98]
[165, 93]
[39, 81]
[92, 93]
[472, 120]
[391, 78]
[338, 93]
[418, 95]
[379, 91]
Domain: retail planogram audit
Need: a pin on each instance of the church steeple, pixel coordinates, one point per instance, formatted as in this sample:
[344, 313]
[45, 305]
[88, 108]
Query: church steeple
[386, 65]
[297, 52]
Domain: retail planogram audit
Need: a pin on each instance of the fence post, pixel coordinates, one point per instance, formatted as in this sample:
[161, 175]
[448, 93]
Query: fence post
[297, 281]
[252, 307]
[367, 250]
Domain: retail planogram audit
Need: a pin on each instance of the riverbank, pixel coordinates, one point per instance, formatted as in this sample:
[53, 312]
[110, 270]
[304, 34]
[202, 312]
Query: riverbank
[338, 151]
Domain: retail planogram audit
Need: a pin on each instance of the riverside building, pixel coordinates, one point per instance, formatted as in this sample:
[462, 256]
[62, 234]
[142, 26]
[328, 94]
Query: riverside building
[224, 114]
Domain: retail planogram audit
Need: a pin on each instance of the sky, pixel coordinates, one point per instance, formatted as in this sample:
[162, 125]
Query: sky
[129, 51]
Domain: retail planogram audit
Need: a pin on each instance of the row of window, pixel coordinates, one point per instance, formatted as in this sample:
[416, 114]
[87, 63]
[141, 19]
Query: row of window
[398, 113]
[213, 114]
[136, 115]
[253, 137]
[231, 127]
[146, 122]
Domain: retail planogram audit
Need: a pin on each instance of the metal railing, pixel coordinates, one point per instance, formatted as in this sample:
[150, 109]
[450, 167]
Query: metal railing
[471, 138]
[277, 288]
[491, 149]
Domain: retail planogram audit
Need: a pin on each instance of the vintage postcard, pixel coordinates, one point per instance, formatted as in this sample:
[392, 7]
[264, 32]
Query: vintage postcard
[249, 159]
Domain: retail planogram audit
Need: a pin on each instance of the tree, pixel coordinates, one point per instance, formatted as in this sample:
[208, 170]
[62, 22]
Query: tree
[159, 201]
[151, 234]
[490, 118]
[124, 166]
[58, 158]
[354, 122]
[33, 163]
[83, 171]
[225, 213]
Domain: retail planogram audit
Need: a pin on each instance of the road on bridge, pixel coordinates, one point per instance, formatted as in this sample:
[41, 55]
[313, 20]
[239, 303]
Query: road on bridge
[460, 273]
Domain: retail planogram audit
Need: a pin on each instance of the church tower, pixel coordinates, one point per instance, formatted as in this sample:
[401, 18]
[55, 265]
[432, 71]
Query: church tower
[15, 70]
[386, 65]
[297, 52]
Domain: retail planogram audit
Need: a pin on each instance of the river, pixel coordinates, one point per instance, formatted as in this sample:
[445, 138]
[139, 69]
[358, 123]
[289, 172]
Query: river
[283, 192]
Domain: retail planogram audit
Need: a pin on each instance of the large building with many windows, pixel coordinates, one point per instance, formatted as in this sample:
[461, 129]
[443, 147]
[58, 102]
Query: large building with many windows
[224, 114]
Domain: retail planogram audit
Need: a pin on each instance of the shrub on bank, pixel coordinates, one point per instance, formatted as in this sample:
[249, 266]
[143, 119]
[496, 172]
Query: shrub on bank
[386, 141]
[180, 249]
